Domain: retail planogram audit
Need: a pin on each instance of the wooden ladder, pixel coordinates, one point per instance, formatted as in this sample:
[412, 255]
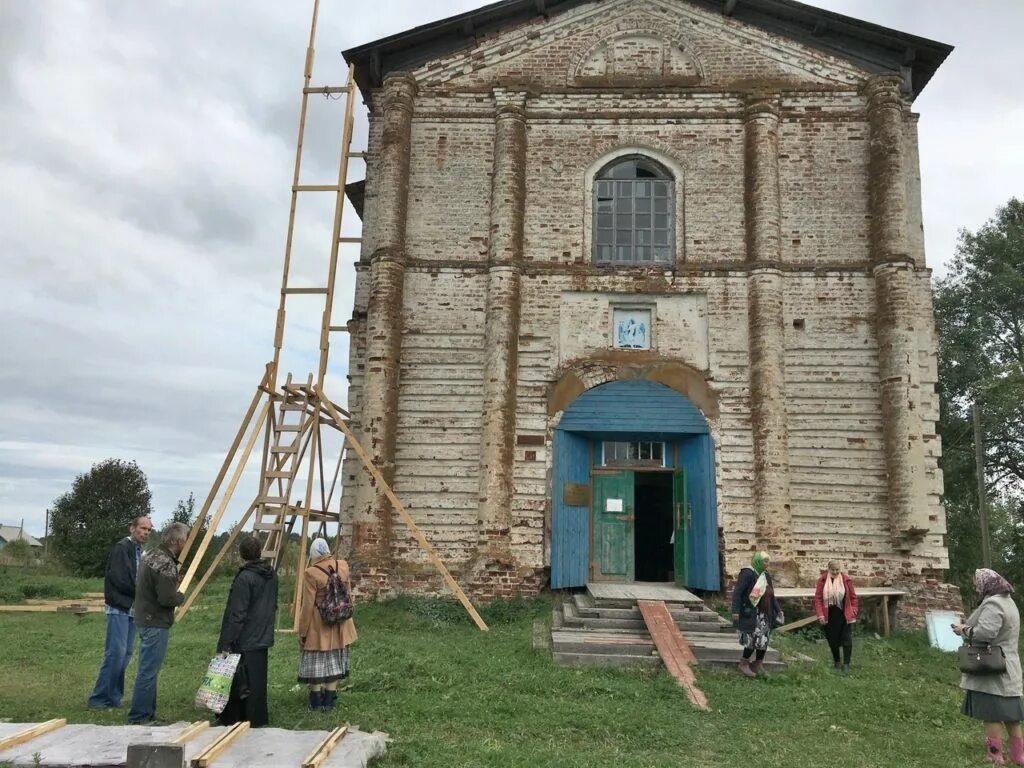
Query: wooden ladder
[289, 437]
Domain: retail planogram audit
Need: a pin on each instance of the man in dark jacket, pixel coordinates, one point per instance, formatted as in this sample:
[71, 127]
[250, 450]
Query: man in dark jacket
[119, 596]
[156, 597]
[248, 629]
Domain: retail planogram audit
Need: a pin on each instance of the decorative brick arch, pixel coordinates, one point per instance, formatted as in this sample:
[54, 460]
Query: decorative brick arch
[581, 376]
[638, 53]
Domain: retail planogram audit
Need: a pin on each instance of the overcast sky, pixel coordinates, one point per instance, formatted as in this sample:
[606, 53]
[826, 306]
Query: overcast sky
[146, 153]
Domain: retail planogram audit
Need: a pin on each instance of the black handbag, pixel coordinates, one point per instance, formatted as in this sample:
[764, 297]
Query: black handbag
[982, 659]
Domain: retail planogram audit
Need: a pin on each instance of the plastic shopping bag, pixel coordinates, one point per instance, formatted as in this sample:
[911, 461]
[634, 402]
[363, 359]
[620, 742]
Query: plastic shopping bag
[213, 693]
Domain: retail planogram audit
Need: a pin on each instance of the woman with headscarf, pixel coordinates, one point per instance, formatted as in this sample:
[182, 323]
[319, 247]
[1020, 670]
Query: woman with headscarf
[995, 699]
[324, 648]
[836, 605]
[754, 612]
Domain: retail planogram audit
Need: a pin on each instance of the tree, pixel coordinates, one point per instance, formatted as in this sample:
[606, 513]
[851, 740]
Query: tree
[980, 318]
[96, 512]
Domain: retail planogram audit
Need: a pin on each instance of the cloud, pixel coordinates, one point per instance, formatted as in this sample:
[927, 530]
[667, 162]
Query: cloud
[147, 155]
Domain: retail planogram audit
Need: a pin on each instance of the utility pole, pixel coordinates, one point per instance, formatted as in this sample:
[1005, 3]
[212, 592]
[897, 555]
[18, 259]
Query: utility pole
[979, 461]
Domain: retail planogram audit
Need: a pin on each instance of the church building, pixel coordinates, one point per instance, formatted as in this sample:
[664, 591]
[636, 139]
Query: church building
[642, 290]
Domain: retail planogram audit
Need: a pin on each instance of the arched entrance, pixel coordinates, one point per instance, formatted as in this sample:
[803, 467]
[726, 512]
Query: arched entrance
[633, 489]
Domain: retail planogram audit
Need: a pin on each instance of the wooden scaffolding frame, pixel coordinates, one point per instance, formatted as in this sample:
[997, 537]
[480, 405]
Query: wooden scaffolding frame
[293, 414]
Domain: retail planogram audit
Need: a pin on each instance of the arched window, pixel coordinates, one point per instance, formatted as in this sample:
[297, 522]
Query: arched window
[633, 212]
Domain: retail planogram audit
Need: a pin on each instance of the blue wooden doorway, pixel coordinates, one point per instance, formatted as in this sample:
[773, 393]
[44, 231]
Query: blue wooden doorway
[631, 411]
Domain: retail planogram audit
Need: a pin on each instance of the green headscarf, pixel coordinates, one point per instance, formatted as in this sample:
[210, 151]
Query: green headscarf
[758, 562]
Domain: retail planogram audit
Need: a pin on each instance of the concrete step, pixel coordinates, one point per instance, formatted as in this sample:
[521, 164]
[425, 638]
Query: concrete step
[603, 660]
[577, 613]
[613, 654]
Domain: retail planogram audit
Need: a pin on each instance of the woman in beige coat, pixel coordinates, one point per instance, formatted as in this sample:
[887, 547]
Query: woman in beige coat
[995, 699]
[324, 649]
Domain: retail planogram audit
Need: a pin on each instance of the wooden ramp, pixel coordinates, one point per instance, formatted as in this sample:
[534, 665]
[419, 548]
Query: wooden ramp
[673, 648]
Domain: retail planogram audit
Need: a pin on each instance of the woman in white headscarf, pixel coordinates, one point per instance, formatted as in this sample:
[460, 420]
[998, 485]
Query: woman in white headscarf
[324, 647]
[836, 606]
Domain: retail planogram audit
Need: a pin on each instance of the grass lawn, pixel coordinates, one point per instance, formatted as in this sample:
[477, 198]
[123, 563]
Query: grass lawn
[451, 696]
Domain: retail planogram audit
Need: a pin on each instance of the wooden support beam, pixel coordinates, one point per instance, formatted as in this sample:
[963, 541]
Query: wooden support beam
[211, 531]
[191, 732]
[305, 291]
[216, 561]
[404, 514]
[797, 624]
[315, 188]
[208, 755]
[30, 733]
[326, 90]
[215, 488]
[324, 748]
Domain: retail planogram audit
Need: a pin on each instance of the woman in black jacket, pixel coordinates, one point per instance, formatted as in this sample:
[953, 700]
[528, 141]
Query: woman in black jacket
[248, 629]
[755, 611]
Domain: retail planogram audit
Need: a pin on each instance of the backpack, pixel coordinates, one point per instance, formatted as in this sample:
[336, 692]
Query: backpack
[336, 606]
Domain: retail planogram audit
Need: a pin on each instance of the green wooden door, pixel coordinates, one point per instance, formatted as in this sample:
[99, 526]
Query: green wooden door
[613, 526]
[680, 522]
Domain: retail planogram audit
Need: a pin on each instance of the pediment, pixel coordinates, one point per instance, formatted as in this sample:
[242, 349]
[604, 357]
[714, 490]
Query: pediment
[637, 44]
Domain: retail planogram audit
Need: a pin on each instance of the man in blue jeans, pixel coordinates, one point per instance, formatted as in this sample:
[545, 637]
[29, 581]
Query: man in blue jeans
[156, 597]
[118, 596]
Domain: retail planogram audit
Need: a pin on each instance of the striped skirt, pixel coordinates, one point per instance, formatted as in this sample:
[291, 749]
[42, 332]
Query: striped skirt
[316, 667]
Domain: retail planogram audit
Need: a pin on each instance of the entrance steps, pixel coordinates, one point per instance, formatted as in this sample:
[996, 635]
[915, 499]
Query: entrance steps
[604, 626]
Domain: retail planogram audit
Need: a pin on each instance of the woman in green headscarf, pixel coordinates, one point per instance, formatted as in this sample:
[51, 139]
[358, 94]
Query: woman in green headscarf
[754, 612]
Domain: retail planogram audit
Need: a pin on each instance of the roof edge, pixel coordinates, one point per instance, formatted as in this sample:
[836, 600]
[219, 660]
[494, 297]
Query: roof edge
[870, 46]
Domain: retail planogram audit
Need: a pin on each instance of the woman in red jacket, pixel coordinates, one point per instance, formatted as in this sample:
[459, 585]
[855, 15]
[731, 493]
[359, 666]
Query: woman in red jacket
[835, 603]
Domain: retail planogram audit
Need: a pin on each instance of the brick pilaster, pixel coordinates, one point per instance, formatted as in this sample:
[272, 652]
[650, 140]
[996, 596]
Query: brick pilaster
[505, 255]
[372, 513]
[895, 325]
[765, 292]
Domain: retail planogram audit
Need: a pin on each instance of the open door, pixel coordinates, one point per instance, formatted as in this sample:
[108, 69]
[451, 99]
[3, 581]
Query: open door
[681, 523]
[614, 516]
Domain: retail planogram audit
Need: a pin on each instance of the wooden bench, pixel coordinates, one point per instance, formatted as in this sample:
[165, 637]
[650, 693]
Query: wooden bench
[884, 608]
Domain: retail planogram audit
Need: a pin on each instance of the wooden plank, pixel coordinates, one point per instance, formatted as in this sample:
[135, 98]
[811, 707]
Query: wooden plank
[797, 624]
[213, 566]
[51, 608]
[315, 188]
[30, 733]
[305, 291]
[674, 650]
[324, 748]
[191, 732]
[208, 755]
[798, 592]
[211, 531]
[885, 616]
[404, 514]
[215, 488]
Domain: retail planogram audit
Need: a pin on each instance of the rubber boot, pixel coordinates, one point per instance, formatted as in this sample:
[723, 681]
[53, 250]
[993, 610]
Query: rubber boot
[316, 700]
[745, 669]
[756, 665]
[837, 666]
[994, 751]
[328, 701]
[1017, 750]
[846, 669]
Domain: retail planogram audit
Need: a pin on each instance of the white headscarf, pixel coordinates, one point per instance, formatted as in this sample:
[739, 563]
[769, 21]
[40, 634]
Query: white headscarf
[320, 548]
